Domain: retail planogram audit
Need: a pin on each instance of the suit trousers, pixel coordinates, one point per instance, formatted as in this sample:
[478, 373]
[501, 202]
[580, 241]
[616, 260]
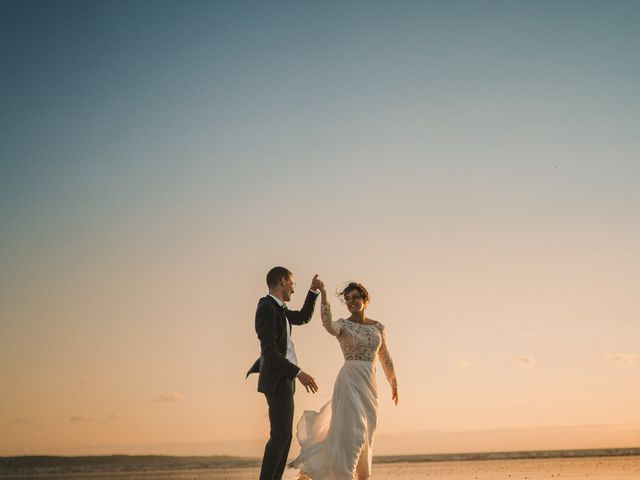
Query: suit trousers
[281, 431]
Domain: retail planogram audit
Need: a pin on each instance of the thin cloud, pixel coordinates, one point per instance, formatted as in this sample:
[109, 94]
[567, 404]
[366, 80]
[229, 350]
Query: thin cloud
[169, 397]
[622, 359]
[110, 417]
[76, 419]
[527, 361]
[463, 363]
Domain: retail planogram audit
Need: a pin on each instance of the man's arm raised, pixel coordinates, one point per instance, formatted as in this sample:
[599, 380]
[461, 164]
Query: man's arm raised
[306, 312]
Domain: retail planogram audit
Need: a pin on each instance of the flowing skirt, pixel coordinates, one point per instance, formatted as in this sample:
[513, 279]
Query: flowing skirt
[336, 442]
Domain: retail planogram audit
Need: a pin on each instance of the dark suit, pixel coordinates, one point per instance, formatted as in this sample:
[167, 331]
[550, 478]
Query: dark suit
[277, 376]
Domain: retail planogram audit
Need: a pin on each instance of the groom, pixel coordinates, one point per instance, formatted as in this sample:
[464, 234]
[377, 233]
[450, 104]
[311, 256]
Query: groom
[278, 365]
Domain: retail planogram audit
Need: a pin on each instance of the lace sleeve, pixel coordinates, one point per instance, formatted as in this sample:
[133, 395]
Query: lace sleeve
[385, 360]
[332, 327]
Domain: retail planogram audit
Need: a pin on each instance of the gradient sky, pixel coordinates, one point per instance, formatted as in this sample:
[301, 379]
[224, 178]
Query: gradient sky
[475, 164]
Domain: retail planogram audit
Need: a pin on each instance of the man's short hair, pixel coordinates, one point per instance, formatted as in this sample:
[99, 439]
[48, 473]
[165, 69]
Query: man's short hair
[275, 274]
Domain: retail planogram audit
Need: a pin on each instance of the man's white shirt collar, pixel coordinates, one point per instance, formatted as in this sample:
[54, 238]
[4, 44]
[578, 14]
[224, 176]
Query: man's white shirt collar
[280, 302]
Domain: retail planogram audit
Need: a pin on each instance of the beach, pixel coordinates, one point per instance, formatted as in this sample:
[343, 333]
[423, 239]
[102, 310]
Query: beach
[599, 468]
[609, 468]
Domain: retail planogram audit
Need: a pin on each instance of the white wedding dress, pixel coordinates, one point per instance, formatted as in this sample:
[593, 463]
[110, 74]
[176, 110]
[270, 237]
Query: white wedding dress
[336, 442]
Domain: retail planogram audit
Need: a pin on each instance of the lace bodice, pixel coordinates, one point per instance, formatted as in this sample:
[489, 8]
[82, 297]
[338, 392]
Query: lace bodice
[360, 341]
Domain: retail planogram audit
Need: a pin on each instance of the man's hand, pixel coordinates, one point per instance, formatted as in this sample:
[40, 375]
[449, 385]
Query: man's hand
[308, 381]
[316, 283]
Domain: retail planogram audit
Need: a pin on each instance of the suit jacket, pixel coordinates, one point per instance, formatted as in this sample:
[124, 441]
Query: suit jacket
[273, 366]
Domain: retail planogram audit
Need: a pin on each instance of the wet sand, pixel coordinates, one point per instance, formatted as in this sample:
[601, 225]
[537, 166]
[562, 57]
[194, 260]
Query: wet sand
[599, 468]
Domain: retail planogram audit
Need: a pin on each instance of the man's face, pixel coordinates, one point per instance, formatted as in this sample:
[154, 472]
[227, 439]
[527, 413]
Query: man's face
[288, 285]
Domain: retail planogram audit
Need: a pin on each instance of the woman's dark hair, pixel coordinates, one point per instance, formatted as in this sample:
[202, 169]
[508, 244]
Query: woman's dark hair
[355, 286]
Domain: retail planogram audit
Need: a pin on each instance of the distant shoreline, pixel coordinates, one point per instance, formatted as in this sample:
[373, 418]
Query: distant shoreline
[41, 464]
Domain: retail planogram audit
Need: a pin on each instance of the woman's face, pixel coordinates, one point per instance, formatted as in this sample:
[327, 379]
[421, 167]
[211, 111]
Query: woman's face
[355, 302]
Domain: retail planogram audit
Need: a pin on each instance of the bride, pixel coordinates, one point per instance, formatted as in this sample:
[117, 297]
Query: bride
[336, 441]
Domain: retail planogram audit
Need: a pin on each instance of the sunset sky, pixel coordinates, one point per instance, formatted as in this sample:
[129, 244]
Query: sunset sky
[475, 164]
